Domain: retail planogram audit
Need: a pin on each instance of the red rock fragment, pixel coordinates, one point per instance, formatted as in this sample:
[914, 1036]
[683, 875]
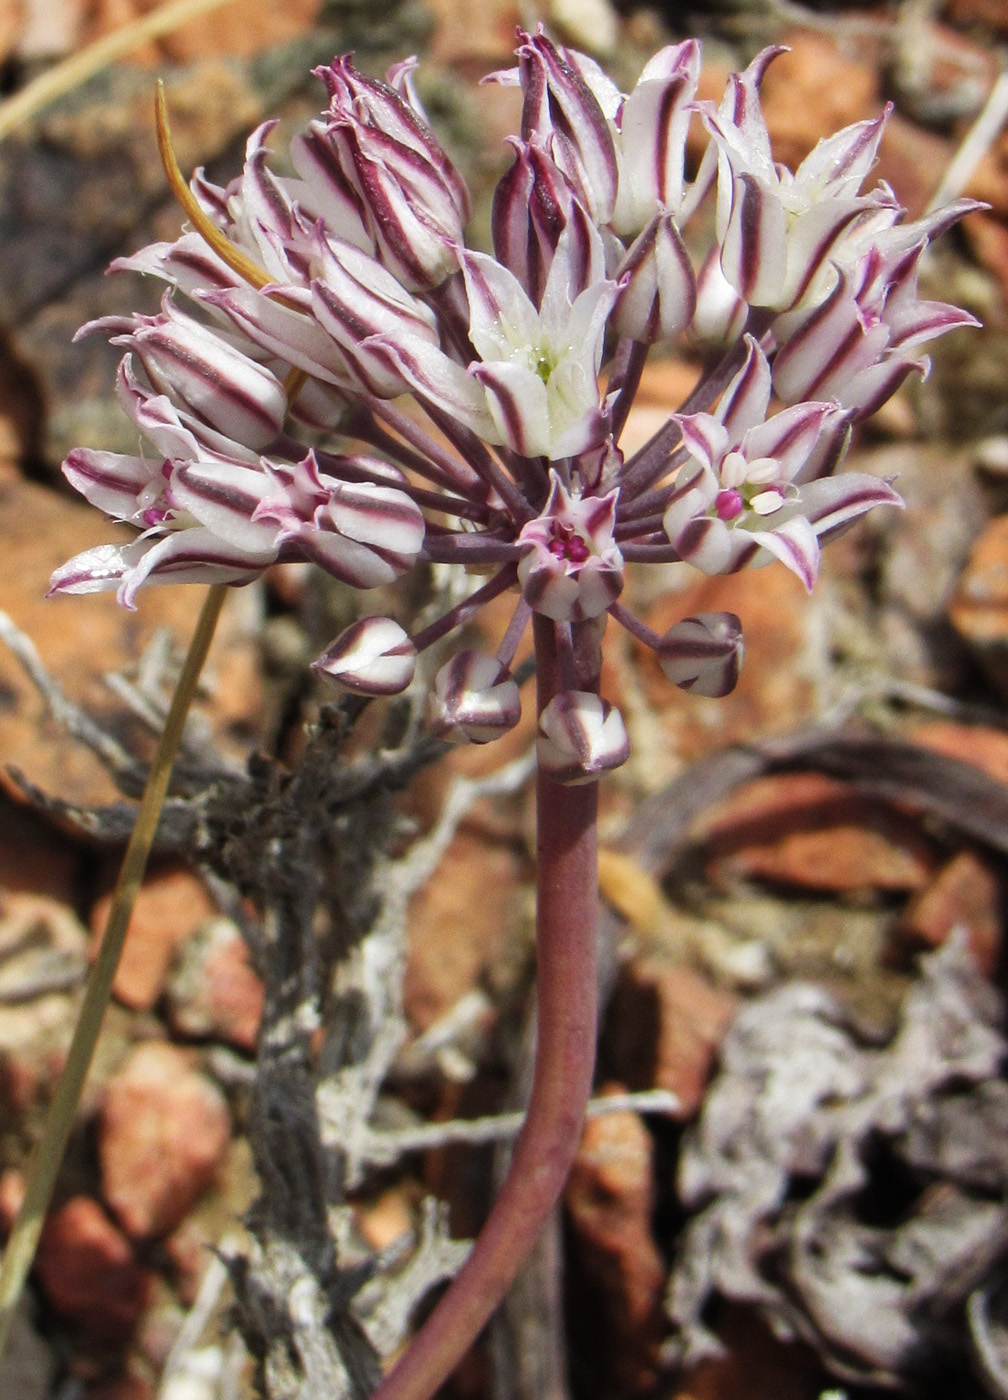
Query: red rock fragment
[665, 1024]
[458, 925]
[965, 894]
[214, 991]
[170, 905]
[815, 832]
[619, 1276]
[984, 748]
[979, 609]
[990, 14]
[163, 1133]
[89, 1273]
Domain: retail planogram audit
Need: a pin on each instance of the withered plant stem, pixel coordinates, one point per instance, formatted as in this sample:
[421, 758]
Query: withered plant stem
[566, 979]
[48, 1155]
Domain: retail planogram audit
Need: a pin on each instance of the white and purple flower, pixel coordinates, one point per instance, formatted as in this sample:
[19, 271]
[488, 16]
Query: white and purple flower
[328, 298]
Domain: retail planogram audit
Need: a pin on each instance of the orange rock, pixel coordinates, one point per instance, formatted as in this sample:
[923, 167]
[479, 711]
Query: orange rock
[965, 894]
[458, 925]
[990, 14]
[163, 1132]
[983, 747]
[979, 610]
[214, 991]
[474, 36]
[816, 832]
[12, 27]
[618, 1273]
[89, 1273]
[172, 902]
[239, 28]
[386, 1219]
[664, 1027]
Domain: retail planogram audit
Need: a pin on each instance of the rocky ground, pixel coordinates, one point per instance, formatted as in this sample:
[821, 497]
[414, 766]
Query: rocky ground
[805, 882]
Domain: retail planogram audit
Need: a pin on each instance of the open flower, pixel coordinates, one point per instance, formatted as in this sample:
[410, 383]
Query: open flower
[571, 569]
[740, 498]
[776, 228]
[538, 366]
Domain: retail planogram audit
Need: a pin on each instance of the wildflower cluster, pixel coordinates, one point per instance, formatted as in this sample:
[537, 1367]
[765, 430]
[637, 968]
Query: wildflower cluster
[474, 403]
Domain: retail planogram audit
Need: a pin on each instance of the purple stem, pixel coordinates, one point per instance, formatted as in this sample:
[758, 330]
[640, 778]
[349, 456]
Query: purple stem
[566, 931]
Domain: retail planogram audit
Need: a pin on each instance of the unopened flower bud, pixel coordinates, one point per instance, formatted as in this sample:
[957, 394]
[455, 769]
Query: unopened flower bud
[657, 295]
[703, 654]
[581, 736]
[475, 696]
[373, 657]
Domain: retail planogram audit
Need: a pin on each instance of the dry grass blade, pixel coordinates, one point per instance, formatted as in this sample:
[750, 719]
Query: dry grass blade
[56, 82]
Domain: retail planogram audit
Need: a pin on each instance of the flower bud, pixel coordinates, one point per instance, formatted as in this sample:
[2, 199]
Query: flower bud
[703, 654]
[581, 736]
[475, 696]
[373, 657]
[657, 296]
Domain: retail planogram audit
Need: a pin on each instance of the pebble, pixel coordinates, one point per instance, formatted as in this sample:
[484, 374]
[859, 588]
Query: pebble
[965, 895]
[618, 1275]
[213, 991]
[663, 1029]
[163, 1132]
[171, 903]
[89, 1273]
[817, 833]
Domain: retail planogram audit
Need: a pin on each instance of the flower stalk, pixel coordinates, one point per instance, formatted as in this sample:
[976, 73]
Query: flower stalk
[566, 1007]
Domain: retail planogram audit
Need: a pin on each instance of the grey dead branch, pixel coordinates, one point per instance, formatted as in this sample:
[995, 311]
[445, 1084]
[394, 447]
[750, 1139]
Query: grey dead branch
[855, 1194]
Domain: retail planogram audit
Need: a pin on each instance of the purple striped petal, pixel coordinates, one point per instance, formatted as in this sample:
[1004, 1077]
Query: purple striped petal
[110, 481]
[745, 401]
[476, 697]
[562, 114]
[703, 654]
[657, 297]
[197, 368]
[754, 245]
[581, 736]
[372, 657]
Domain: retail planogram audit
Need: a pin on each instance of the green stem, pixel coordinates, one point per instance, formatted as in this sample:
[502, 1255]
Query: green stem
[48, 1156]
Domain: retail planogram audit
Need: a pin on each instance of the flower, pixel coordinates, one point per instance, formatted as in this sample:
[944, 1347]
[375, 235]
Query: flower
[775, 227]
[327, 298]
[571, 569]
[740, 498]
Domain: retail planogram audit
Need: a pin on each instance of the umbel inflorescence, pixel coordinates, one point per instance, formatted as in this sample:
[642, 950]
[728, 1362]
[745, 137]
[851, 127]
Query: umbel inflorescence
[343, 299]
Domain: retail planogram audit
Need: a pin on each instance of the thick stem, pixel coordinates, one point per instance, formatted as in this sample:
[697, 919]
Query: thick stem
[566, 931]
